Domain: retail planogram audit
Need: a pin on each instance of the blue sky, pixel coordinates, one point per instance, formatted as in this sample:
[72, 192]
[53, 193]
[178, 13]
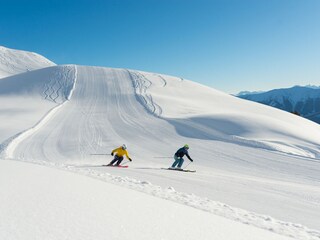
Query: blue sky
[231, 45]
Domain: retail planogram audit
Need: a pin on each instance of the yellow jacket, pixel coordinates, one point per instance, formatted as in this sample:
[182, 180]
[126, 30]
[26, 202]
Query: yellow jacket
[120, 152]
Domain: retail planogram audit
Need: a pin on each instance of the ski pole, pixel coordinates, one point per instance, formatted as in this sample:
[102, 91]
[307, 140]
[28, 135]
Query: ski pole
[187, 165]
[124, 163]
[162, 157]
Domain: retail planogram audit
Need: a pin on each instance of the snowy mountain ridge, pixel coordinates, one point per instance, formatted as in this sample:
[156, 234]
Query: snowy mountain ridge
[17, 61]
[248, 92]
[303, 100]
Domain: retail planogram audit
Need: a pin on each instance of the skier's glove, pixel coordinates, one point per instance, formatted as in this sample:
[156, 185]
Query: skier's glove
[112, 154]
[130, 159]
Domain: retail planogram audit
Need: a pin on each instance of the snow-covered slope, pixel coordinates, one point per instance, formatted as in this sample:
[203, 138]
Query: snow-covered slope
[201, 112]
[62, 205]
[302, 100]
[180, 108]
[27, 98]
[16, 61]
[247, 155]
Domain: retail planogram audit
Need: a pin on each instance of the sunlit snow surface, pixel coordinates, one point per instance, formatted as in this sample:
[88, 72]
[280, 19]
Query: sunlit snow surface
[247, 156]
[14, 61]
[42, 203]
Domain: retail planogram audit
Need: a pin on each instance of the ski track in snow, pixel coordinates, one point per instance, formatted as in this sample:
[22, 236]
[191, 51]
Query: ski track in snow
[53, 93]
[58, 88]
[163, 79]
[141, 84]
[95, 129]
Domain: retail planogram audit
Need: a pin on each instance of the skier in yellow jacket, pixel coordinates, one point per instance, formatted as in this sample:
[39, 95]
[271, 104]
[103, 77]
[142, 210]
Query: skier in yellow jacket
[120, 152]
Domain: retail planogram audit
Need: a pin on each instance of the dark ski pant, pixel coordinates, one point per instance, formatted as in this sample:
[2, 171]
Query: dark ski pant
[178, 161]
[116, 159]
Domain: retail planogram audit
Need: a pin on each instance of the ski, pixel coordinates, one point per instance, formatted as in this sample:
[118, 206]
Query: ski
[120, 166]
[179, 169]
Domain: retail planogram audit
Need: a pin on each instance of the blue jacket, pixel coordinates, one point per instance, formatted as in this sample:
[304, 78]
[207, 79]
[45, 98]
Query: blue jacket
[181, 152]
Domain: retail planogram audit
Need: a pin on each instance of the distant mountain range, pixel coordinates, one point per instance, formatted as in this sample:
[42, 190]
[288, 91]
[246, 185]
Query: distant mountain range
[301, 100]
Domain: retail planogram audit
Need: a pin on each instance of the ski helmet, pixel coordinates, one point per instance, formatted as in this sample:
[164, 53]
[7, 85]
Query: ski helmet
[124, 147]
[186, 146]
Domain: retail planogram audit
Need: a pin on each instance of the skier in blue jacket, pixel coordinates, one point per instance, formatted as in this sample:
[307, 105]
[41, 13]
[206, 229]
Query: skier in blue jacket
[178, 156]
